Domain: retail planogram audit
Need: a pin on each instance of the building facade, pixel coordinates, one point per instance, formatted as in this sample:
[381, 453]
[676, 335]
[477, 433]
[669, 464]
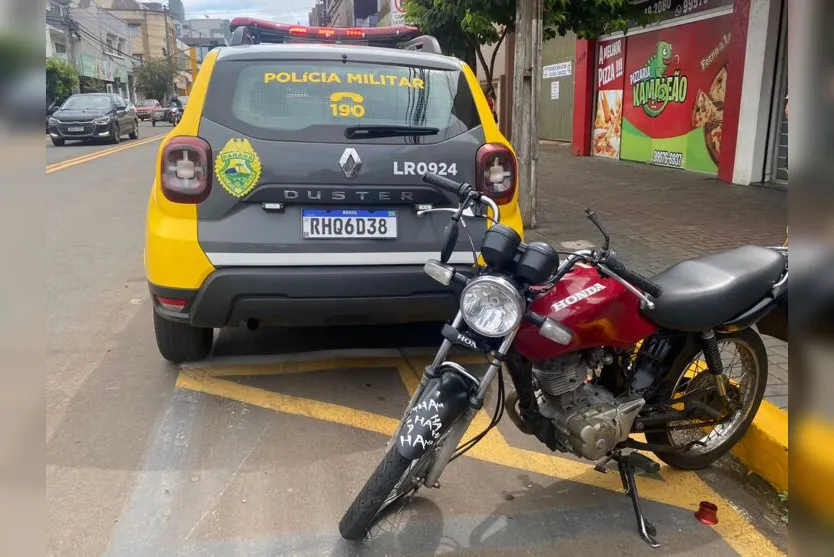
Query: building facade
[555, 101]
[152, 28]
[340, 13]
[102, 49]
[206, 30]
[58, 38]
[704, 89]
[319, 16]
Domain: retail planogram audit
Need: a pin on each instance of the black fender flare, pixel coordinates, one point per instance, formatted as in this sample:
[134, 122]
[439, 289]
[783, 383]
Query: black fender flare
[444, 399]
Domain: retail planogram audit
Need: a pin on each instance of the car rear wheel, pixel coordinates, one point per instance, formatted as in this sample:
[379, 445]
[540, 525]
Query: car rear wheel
[58, 142]
[180, 342]
[115, 134]
[135, 133]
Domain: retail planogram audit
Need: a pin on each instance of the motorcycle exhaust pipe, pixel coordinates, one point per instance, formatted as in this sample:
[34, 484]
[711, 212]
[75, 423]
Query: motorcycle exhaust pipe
[511, 408]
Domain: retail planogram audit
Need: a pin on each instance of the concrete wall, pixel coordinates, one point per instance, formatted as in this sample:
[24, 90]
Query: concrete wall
[757, 91]
[341, 13]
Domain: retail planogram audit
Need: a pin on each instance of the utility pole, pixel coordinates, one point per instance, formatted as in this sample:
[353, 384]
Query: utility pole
[169, 50]
[525, 102]
[67, 21]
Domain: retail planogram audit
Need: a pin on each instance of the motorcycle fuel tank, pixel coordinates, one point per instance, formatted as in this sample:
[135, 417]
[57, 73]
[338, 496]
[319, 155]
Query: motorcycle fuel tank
[598, 310]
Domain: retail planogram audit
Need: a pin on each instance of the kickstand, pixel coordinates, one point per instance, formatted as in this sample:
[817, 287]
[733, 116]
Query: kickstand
[627, 465]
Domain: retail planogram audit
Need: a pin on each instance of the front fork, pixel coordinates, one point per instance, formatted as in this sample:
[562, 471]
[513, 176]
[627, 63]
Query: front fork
[445, 451]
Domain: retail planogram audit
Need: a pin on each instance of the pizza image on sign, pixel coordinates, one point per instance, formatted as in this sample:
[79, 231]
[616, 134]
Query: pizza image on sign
[606, 140]
[709, 113]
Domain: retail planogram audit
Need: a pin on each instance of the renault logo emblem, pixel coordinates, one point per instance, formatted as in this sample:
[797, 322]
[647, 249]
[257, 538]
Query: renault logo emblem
[350, 162]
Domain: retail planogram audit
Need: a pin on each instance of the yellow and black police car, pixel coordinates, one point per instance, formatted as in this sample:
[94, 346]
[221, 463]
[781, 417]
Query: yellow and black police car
[290, 193]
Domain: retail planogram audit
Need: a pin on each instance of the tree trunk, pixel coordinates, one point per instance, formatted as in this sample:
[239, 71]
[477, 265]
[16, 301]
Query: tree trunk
[522, 106]
[491, 70]
[534, 107]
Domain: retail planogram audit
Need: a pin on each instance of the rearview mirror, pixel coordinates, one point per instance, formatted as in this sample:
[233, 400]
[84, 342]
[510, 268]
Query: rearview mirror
[450, 239]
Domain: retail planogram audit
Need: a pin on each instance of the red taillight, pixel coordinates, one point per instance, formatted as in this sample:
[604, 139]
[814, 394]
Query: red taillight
[171, 304]
[186, 170]
[495, 173]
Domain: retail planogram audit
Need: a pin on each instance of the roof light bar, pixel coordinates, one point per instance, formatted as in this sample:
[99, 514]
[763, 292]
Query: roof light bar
[270, 32]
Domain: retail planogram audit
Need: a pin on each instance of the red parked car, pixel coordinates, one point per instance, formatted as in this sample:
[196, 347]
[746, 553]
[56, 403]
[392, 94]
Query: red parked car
[145, 108]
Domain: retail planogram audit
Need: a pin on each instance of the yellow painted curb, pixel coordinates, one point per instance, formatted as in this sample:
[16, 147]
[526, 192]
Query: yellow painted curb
[813, 442]
[764, 448]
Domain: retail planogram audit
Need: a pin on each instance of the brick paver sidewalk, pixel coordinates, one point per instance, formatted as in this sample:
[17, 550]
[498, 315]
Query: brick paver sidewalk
[658, 216]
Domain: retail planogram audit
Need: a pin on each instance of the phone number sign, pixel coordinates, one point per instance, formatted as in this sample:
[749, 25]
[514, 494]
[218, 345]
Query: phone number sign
[667, 9]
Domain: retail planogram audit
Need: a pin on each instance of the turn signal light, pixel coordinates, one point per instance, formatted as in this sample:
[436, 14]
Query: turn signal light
[186, 172]
[496, 171]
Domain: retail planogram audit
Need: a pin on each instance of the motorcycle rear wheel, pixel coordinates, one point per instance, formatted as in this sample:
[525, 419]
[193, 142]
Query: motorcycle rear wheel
[720, 439]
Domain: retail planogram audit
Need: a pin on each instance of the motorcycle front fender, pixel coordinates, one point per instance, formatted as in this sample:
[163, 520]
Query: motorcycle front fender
[442, 402]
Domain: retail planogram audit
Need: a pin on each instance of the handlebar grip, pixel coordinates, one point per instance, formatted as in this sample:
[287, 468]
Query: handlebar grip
[461, 190]
[638, 280]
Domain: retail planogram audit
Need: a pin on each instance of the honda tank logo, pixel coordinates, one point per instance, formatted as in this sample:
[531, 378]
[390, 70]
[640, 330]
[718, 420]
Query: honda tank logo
[579, 296]
[350, 162]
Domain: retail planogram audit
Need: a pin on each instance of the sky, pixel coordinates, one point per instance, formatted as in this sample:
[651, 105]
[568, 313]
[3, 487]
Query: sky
[282, 11]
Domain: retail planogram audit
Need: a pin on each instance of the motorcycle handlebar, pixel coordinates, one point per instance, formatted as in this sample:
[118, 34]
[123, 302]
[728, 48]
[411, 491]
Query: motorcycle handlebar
[461, 190]
[638, 280]
[458, 189]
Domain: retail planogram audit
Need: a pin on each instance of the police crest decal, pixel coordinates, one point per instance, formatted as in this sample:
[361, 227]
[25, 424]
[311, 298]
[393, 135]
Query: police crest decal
[238, 167]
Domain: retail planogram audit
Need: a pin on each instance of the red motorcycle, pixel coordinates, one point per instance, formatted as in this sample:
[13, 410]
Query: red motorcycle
[595, 351]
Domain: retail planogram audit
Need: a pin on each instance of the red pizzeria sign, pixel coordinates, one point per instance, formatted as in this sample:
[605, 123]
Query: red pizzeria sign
[611, 64]
[609, 109]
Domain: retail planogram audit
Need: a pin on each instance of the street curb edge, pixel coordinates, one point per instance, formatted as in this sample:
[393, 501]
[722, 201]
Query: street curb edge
[764, 448]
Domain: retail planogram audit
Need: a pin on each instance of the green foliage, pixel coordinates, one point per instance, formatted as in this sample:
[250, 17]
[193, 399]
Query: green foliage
[442, 18]
[61, 79]
[590, 18]
[155, 78]
[18, 52]
[463, 26]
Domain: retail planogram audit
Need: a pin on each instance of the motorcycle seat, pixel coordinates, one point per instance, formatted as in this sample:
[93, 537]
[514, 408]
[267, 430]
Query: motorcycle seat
[704, 292]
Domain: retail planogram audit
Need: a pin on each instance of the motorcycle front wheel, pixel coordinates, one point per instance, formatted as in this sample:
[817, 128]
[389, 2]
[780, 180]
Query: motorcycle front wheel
[394, 478]
[745, 366]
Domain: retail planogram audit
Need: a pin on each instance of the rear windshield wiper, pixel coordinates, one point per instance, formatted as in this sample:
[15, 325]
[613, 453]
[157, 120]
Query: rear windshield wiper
[359, 132]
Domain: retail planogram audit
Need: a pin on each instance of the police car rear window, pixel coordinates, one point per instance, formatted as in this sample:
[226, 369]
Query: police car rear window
[304, 101]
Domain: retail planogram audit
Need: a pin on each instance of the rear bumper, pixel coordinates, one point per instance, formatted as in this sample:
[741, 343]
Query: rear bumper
[314, 296]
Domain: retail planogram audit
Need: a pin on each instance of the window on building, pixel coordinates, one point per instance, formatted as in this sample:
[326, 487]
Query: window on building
[135, 30]
[60, 48]
[111, 42]
[122, 46]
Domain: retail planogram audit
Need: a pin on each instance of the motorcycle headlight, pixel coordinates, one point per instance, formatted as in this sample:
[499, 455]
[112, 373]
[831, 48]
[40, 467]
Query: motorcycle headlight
[103, 120]
[491, 306]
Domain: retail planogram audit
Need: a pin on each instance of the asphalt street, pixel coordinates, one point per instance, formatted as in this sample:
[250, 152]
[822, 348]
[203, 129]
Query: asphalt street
[259, 450]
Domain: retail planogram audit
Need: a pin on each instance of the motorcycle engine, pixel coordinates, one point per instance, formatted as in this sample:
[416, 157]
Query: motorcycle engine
[591, 420]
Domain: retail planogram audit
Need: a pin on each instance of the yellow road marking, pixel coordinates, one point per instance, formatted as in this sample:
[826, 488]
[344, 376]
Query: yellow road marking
[677, 488]
[98, 154]
[196, 381]
[286, 368]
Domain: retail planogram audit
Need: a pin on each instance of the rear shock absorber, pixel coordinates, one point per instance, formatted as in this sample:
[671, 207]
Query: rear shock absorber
[712, 356]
